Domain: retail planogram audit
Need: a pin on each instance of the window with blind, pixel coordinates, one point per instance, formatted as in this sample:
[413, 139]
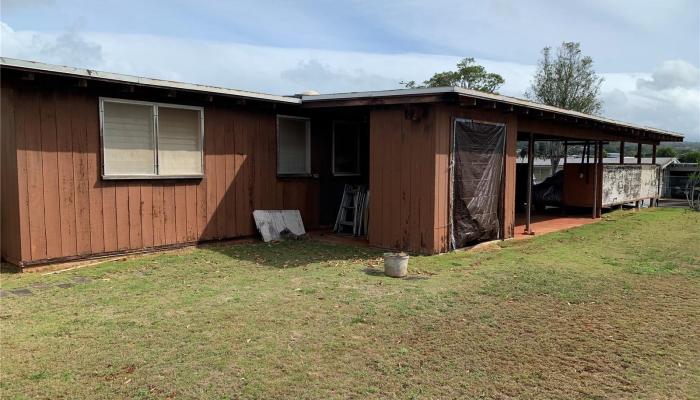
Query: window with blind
[293, 145]
[142, 139]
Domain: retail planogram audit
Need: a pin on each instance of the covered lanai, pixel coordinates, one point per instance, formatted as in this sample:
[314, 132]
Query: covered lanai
[465, 144]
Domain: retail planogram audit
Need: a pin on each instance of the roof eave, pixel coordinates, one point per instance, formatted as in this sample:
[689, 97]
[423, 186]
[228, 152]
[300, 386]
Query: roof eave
[38, 67]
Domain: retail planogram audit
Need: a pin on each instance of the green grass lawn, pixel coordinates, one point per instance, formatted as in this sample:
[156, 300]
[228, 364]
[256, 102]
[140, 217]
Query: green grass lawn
[608, 310]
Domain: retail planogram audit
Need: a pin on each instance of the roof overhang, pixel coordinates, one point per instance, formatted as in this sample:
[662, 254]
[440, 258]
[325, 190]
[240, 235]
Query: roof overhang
[471, 97]
[459, 95]
[33, 66]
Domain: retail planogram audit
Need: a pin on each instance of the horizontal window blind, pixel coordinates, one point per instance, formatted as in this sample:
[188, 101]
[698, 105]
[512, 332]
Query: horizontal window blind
[179, 142]
[143, 139]
[129, 148]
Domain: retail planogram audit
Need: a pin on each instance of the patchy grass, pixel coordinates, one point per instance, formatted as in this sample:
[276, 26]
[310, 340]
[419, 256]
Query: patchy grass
[608, 310]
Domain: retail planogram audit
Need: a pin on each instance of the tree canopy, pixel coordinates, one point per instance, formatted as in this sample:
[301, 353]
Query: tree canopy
[567, 80]
[666, 152]
[469, 75]
[690, 157]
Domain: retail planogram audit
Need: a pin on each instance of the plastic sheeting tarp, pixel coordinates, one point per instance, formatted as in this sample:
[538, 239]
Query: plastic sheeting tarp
[477, 170]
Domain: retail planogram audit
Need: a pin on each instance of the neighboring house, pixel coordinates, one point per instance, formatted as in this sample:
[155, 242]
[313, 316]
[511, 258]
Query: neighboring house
[96, 163]
[675, 178]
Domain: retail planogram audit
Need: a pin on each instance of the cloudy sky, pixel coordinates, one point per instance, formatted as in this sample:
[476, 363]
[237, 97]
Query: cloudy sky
[647, 51]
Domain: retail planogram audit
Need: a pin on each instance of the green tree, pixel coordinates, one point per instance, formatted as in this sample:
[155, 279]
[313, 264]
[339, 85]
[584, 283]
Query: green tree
[666, 152]
[566, 80]
[690, 157]
[469, 75]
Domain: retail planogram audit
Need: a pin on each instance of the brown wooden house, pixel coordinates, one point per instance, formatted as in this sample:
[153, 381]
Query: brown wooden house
[96, 163]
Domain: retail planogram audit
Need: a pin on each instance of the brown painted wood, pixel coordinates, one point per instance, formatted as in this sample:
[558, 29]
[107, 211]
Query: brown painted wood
[146, 213]
[509, 176]
[10, 243]
[21, 181]
[66, 184]
[109, 214]
[29, 126]
[158, 216]
[191, 218]
[180, 213]
[49, 164]
[81, 176]
[229, 196]
[72, 211]
[220, 172]
[103, 217]
[241, 178]
[135, 233]
[169, 216]
[121, 205]
[210, 171]
[201, 205]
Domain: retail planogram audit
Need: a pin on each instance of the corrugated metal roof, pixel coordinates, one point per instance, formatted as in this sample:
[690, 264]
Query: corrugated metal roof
[137, 80]
[483, 96]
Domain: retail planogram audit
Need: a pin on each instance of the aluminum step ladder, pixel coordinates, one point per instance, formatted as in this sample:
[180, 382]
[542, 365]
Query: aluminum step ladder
[350, 213]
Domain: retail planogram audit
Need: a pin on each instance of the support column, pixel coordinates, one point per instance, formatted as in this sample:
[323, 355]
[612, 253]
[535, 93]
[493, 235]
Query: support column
[622, 152]
[639, 161]
[530, 162]
[566, 150]
[599, 172]
[639, 153]
[595, 182]
[653, 202]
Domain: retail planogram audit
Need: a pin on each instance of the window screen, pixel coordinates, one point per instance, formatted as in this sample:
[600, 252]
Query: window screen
[346, 148]
[293, 145]
[128, 139]
[179, 142]
[143, 139]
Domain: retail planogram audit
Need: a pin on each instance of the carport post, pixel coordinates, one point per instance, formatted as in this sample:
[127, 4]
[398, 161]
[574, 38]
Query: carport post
[622, 152]
[530, 160]
[599, 199]
[595, 181]
[639, 161]
[655, 201]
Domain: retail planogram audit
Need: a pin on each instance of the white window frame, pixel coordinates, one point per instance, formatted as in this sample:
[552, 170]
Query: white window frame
[359, 170]
[307, 170]
[108, 176]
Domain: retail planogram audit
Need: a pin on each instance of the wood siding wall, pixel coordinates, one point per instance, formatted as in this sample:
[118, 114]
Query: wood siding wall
[401, 179]
[9, 191]
[65, 209]
[445, 115]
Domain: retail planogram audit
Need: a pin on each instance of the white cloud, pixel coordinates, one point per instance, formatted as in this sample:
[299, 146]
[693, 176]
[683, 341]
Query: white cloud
[667, 98]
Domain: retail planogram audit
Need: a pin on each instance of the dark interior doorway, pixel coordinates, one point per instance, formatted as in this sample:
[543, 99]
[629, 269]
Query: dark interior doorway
[342, 146]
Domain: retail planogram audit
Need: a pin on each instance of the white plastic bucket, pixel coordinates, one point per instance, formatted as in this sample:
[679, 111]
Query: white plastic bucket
[396, 264]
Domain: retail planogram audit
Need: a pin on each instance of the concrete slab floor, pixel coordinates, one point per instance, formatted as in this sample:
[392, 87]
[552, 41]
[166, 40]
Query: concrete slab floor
[546, 223]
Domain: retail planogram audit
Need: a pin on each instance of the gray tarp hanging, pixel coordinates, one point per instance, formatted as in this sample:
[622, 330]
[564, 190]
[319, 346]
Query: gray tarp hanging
[477, 169]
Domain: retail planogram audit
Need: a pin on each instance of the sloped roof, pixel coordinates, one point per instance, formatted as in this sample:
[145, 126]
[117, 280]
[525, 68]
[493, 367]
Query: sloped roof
[317, 99]
[137, 80]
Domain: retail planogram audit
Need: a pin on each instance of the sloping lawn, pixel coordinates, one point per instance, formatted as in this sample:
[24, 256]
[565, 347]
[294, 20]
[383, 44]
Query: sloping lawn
[608, 310]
